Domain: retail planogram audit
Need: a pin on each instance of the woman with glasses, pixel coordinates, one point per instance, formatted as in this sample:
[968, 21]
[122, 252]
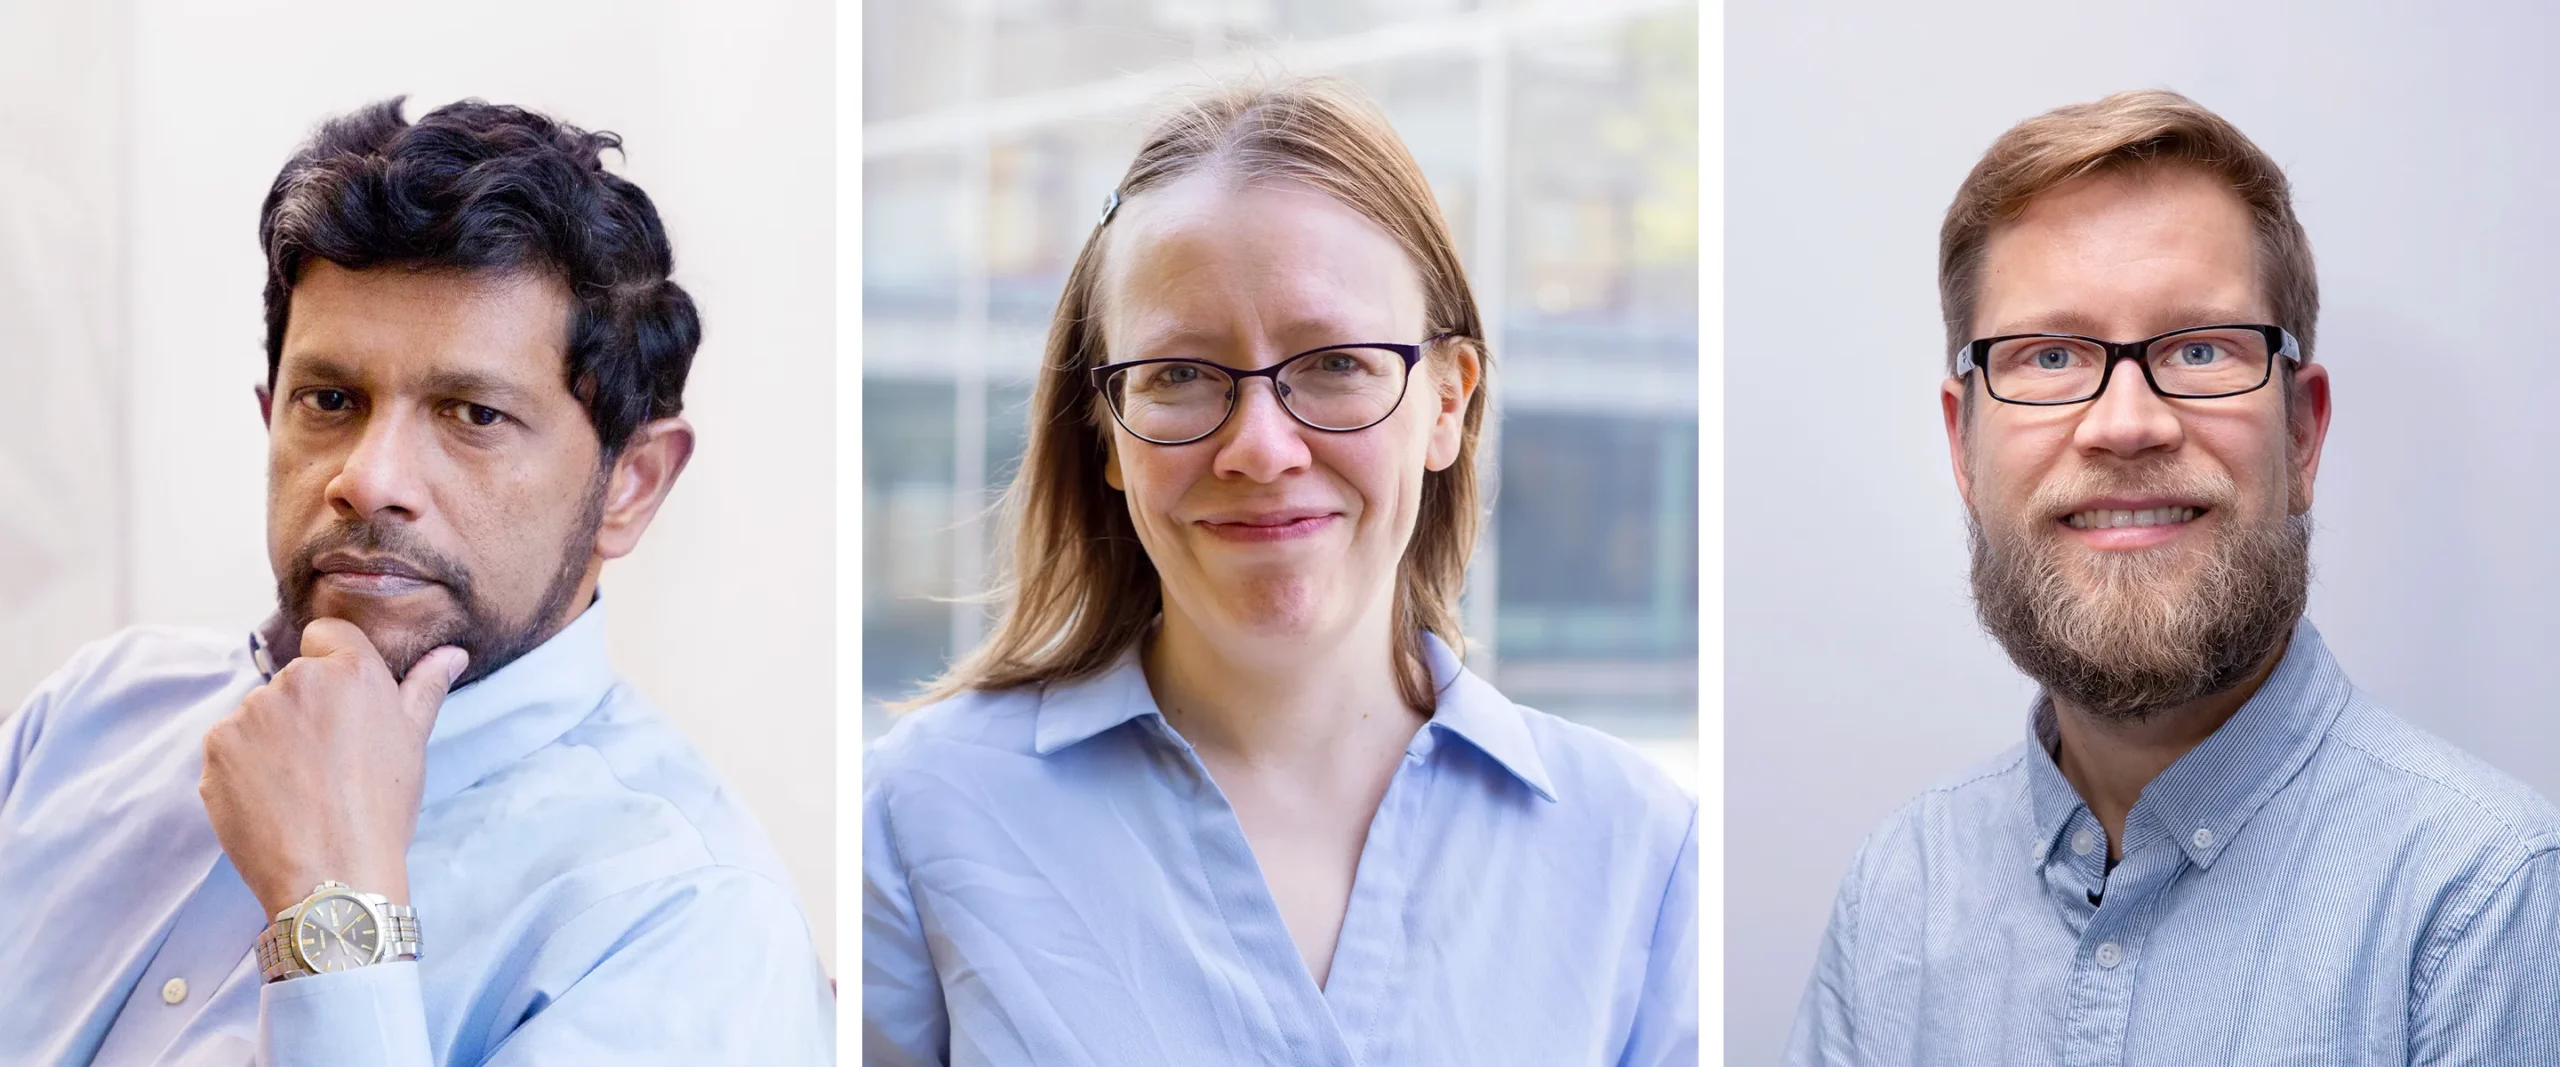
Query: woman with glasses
[1218, 788]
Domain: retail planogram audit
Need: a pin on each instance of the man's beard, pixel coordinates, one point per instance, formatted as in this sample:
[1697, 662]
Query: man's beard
[2155, 629]
[475, 625]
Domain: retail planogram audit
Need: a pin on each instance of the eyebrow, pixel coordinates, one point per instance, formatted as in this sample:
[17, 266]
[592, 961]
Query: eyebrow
[2073, 322]
[476, 386]
[1183, 338]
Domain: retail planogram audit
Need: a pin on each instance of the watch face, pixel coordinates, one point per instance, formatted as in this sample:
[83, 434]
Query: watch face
[335, 933]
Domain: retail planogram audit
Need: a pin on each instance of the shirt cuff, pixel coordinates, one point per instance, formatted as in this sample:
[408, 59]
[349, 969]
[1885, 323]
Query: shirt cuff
[371, 1016]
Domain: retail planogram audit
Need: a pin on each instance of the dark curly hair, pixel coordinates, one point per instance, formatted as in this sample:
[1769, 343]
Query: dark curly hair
[475, 186]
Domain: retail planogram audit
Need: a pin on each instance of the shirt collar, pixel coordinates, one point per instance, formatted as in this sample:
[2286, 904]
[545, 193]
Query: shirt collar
[1474, 710]
[1470, 708]
[511, 712]
[1072, 711]
[2220, 783]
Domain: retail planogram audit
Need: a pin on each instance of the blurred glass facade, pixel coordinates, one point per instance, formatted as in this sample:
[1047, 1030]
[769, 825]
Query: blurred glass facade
[1562, 142]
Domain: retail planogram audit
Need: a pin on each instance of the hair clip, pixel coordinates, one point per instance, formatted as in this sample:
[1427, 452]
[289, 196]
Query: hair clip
[1110, 204]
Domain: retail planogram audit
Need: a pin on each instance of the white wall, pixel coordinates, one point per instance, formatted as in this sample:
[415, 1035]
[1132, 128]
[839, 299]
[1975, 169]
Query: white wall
[2422, 152]
[725, 616]
[60, 320]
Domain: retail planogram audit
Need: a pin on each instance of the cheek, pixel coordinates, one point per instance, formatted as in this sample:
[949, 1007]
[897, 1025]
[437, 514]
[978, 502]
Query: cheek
[1156, 479]
[1382, 472]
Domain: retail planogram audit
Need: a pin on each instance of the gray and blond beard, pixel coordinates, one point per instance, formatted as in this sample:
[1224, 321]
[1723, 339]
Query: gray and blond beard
[2145, 637]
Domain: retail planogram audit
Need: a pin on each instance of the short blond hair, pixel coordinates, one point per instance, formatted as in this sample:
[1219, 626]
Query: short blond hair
[1080, 589]
[2144, 128]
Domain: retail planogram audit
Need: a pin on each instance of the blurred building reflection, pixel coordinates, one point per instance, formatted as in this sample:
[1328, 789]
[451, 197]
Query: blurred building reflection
[1562, 142]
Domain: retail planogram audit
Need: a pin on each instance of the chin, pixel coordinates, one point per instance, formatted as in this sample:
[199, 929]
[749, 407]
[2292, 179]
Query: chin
[1277, 606]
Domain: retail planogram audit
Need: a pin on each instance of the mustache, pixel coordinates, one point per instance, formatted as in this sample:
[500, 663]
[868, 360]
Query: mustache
[379, 547]
[2064, 495]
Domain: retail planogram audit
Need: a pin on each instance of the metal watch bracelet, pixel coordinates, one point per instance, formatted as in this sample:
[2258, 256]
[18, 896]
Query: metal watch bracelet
[397, 935]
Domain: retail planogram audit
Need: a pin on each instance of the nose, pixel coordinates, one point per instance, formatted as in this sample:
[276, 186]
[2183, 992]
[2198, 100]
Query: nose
[1260, 441]
[382, 476]
[2127, 418]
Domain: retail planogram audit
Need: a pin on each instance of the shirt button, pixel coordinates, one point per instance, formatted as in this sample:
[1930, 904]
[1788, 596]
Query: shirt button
[2203, 838]
[2109, 955]
[174, 991]
[2083, 842]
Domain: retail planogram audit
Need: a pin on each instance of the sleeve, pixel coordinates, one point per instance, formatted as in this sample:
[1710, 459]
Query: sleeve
[368, 1017]
[903, 1019]
[1825, 1034]
[24, 727]
[1666, 1023]
[18, 741]
[713, 968]
[2493, 994]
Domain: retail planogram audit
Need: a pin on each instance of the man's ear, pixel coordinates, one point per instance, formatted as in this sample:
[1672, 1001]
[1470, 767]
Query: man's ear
[2307, 423]
[266, 404]
[642, 476]
[1952, 407]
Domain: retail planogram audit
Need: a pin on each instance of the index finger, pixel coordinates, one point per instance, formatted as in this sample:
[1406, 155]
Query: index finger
[337, 637]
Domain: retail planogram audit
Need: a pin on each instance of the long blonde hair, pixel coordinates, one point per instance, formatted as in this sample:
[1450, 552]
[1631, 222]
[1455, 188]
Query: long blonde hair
[1080, 590]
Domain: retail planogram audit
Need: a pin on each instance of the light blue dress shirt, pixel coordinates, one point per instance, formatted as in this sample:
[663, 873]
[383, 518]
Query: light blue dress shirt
[2317, 883]
[588, 891]
[1051, 878]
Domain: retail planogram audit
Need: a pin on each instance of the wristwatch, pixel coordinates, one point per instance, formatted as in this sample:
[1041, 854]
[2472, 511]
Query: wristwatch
[337, 929]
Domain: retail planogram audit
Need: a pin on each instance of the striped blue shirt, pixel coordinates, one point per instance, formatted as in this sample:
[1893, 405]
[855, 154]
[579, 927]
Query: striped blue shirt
[1050, 878]
[2319, 882]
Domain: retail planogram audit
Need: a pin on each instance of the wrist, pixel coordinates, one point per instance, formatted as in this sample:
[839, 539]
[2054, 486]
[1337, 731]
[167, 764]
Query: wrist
[391, 882]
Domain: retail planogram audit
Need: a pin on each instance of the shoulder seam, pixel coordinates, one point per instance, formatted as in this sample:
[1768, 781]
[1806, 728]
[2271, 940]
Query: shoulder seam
[2442, 945]
[2523, 834]
[1994, 770]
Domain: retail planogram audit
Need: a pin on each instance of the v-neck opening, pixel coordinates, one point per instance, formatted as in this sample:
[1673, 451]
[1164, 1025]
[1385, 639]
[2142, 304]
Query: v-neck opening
[1345, 1002]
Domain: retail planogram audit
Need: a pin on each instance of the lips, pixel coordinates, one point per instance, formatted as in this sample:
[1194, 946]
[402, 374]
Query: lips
[1266, 519]
[357, 566]
[1286, 525]
[2122, 518]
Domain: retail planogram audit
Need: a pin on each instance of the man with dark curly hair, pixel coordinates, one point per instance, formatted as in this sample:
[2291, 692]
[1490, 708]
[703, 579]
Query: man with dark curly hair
[415, 817]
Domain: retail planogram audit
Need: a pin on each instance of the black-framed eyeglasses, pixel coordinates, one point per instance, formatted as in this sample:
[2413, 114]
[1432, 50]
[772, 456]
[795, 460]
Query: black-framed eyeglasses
[2197, 363]
[1337, 389]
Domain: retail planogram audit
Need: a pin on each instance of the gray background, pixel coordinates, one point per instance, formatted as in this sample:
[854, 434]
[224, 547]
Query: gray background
[2421, 148]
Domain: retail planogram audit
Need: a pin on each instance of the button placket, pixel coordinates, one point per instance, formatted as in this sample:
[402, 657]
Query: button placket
[2109, 953]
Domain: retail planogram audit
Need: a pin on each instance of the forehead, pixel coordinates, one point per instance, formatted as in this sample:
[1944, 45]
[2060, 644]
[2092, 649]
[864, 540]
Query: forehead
[1205, 260]
[2122, 254]
[391, 323]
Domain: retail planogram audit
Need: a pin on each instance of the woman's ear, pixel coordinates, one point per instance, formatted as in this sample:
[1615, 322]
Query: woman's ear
[1454, 380]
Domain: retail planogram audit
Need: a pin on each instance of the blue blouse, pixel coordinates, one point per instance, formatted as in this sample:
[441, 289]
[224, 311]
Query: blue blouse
[1051, 877]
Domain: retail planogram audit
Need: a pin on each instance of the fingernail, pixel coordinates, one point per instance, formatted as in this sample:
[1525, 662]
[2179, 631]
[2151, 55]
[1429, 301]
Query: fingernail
[460, 659]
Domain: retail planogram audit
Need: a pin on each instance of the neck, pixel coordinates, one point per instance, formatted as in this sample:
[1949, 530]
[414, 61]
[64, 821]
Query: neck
[1259, 701]
[2110, 760]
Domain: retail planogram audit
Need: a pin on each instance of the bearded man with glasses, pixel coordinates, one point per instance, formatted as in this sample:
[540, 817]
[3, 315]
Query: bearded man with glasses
[2210, 847]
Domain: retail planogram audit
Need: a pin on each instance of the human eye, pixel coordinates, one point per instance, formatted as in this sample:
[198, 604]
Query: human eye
[1169, 378]
[2198, 353]
[476, 416]
[2037, 356]
[326, 401]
